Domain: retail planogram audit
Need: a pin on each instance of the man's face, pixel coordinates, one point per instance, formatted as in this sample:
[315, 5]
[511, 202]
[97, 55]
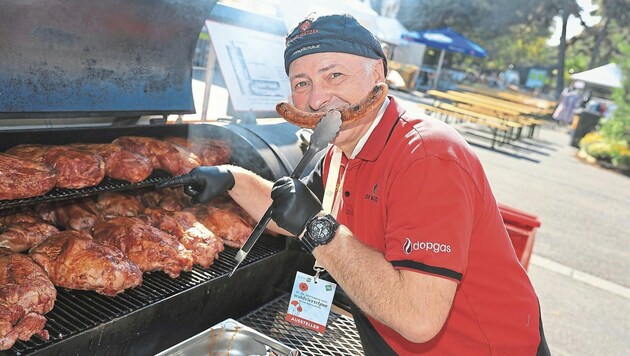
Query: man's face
[324, 81]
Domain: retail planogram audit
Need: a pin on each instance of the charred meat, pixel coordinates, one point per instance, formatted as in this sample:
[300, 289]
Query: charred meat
[74, 260]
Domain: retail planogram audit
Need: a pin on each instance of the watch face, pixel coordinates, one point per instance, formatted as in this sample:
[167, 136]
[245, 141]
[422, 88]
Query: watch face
[321, 230]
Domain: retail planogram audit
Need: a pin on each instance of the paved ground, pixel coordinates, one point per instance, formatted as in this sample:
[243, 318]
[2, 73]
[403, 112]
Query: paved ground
[581, 255]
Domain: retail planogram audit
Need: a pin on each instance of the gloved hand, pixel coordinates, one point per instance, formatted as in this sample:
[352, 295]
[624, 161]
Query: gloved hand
[202, 183]
[293, 205]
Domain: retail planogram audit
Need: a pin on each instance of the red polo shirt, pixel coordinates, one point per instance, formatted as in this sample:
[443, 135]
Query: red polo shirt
[418, 193]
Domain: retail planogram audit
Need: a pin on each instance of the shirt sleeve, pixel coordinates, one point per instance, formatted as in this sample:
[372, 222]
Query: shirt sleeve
[430, 218]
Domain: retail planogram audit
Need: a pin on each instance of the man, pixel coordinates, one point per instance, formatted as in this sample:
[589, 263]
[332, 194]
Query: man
[420, 248]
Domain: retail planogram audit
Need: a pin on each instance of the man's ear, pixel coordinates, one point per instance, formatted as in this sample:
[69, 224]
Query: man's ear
[379, 71]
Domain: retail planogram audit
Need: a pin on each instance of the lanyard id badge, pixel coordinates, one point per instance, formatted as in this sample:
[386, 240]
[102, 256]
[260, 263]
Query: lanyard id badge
[312, 297]
[310, 302]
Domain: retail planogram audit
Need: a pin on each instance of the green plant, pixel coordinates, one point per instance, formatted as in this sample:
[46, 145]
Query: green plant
[599, 150]
[620, 155]
[618, 127]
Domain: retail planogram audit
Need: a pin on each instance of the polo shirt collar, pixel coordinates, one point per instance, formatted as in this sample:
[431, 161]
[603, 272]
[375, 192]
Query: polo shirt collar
[378, 137]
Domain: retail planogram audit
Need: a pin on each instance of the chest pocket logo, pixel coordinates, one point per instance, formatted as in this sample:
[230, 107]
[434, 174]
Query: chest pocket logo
[372, 197]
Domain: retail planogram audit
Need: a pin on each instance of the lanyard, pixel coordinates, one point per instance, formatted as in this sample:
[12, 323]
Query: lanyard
[332, 200]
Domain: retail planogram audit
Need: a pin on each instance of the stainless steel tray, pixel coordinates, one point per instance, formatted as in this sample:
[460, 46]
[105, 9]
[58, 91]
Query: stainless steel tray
[230, 338]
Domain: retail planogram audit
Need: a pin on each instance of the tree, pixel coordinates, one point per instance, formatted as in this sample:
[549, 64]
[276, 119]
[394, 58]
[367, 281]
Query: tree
[615, 19]
[618, 128]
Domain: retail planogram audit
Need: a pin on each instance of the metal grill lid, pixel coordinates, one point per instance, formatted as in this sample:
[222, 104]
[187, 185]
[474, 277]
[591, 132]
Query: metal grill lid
[75, 58]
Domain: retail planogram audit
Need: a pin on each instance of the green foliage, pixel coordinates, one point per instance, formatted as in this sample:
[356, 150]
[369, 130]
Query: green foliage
[600, 147]
[618, 128]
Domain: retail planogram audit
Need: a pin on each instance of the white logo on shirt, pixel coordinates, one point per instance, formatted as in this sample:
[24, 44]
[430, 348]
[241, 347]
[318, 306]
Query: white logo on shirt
[409, 247]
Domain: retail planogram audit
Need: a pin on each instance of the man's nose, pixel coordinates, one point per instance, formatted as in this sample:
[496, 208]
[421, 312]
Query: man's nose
[319, 98]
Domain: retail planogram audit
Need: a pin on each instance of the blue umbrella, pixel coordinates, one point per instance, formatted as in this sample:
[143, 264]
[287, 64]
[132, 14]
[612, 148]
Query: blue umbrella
[445, 39]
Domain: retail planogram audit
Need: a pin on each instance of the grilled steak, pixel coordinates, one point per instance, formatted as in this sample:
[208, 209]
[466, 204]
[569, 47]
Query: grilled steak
[19, 232]
[26, 293]
[148, 247]
[23, 178]
[120, 163]
[75, 168]
[205, 247]
[163, 155]
[73, 260]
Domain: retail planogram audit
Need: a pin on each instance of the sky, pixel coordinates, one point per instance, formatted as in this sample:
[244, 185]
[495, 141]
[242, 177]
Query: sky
[574, 27]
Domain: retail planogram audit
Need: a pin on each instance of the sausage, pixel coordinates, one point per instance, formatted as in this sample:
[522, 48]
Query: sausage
[348, 114]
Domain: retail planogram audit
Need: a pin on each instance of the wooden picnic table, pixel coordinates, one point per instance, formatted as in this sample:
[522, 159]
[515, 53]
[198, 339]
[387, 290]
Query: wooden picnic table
[491, 106]
[445, 114]
[544, 106]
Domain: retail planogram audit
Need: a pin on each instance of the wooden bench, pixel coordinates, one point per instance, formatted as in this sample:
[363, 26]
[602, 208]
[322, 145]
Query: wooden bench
[502, 108]
[444, 115]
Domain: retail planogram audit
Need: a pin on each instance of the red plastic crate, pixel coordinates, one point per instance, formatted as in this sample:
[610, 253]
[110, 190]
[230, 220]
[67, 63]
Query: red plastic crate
[521, 228]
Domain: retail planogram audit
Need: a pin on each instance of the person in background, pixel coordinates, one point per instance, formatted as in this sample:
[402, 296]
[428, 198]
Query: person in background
[416, 239]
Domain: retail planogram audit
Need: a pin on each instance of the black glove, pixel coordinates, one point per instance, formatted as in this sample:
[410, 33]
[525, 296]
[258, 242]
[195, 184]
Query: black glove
[293, 205]
[202, 183]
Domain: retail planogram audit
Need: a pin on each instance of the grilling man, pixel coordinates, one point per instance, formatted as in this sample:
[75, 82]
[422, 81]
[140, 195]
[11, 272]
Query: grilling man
[416, 239]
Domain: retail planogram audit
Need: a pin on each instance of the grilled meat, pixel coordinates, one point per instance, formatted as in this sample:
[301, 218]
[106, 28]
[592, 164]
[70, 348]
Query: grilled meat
[226, 220]
[148, 247]
[163, 155]
[78, 215]
[75, 168]
[113, 205]
[205, 247]
[26, 293]
[211, 152]
[171, 199]
[23, 178]
[21, 231]
[74, 260]
[120, 163]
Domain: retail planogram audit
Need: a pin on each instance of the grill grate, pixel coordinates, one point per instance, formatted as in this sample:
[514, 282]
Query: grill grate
[341, 336]
[76, 311]
[107, 185]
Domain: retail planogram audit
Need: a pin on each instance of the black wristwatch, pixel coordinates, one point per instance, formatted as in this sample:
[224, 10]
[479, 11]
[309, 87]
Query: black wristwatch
[320, 230]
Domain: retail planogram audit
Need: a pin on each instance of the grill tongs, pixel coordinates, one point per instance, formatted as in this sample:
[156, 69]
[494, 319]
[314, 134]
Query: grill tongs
[325, 131]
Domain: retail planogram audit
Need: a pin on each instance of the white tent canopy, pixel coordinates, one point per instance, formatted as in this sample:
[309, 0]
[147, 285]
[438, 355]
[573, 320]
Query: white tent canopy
[608, 75]
[390, 30]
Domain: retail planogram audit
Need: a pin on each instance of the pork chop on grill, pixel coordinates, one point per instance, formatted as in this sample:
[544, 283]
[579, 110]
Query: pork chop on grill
[21, 231]
[150, 248]
[75, 168]
[120, 163]
[211, 152]
[24, 178]
[205, 247]
[74, 260]
[26, 294]
[163, 155]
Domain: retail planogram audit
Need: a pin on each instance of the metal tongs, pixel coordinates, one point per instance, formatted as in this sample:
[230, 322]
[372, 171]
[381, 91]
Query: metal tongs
[325, 131]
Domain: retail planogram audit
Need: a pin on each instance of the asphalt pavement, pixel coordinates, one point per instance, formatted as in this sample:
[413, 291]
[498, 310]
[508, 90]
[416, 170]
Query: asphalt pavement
[581, 254]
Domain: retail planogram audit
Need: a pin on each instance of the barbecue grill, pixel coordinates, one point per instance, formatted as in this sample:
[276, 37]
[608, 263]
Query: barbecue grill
[73, 71]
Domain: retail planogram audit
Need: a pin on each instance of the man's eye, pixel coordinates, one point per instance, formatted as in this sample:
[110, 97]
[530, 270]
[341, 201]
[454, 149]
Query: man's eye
[336, 75]
[299, 85]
